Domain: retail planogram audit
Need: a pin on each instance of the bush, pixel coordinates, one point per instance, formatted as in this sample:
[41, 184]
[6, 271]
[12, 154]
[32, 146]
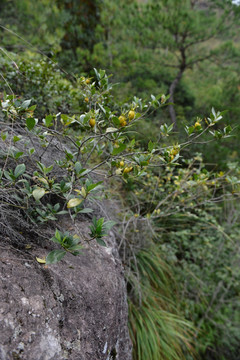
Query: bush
[51, 167]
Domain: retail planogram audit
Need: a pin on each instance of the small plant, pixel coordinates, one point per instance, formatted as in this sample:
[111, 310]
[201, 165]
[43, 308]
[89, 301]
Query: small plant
[99, 229]
[69, 243]
[14, 175]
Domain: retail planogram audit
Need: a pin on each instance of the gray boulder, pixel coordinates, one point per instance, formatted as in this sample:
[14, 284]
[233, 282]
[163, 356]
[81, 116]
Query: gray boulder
[75, 309]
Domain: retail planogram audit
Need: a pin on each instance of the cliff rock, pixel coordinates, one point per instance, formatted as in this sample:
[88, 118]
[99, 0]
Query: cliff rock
[75, 309]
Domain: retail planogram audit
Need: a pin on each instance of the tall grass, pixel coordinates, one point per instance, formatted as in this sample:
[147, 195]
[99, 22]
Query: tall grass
[157, 331]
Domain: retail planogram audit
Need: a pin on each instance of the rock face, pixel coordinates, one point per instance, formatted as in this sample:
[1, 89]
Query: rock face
[75, 309]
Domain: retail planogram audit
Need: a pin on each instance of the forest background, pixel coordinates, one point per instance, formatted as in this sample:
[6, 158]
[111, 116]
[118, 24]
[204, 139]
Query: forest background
[189, 50]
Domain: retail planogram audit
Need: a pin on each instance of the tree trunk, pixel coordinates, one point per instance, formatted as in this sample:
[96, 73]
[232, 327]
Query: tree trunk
[172, 89]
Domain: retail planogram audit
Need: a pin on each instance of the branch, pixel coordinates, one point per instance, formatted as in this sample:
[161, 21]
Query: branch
[193, 62]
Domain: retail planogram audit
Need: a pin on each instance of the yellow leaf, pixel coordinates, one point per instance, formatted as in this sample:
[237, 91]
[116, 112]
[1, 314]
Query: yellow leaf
[43, 180]
[83, 192]
[78, 191]
[74, 202]
[41, 261]
[38, 193]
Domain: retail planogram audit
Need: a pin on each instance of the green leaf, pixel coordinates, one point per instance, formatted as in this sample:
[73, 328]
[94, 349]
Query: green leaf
[83, 172]
[16, 138]
[30, 123]
[8, 175]
[48, 121]
[170, 128]
[119, 149]
[38, 193]
[54, 256]
[31, 151]
[48, 169]
[78, 167]
[85, 211]
[4, 135]
[32, 108]
[40, 166]
[67, 120]
[96, 73]
[75, 247]
[109, 224]
[57, 237]
[102, 108]
[62, 212]
[19, 170]
[115, 120]
[18, 154]
[94, 186]
[102, 73]
[101, 242]
[150, 146]
[190, 130]
[74, 202]
[100, 222]
[132, 143]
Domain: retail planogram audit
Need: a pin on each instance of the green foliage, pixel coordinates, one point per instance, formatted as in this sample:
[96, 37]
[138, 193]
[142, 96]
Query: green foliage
[19, 20]
[13, 175]
[99, 229]
[182, 208]
[79, 21]
[175, 201]
[34, 183]
[206, 257]
[41, 81]
[68, 242]
[105, 143]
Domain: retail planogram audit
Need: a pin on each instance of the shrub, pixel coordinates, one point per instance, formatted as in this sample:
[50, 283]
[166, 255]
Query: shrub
[51, 167]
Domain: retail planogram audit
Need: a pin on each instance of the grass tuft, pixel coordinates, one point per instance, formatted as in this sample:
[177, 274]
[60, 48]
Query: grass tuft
[157, 330]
